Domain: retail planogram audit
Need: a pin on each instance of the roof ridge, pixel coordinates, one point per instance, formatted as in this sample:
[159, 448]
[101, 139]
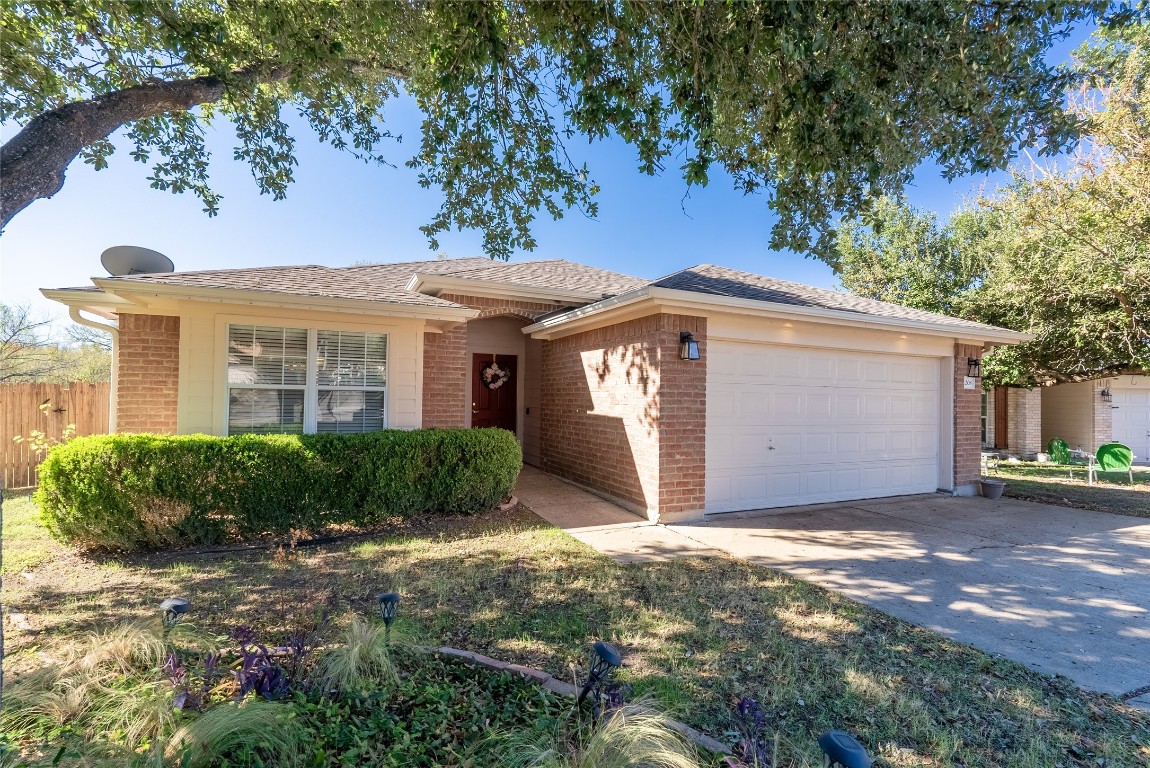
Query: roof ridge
[681, 271]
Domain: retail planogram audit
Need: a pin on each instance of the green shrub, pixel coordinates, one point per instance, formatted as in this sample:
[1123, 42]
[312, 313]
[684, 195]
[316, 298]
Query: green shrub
[129, 492]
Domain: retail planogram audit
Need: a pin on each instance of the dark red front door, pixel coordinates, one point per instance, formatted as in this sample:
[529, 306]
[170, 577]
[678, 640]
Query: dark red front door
[493, 383]
[1001, 438]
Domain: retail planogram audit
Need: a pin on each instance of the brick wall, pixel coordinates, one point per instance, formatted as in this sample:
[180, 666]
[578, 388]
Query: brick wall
[623, 415]
[1103, 415]
[445, 377]
[967, 416]
[148, 356]
[1024, 421]
[445, 358]
[682, 418]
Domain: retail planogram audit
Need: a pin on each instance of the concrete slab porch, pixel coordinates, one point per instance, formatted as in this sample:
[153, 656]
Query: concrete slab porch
[609, 529]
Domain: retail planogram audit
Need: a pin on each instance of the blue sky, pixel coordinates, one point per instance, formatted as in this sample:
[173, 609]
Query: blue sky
[341, 211]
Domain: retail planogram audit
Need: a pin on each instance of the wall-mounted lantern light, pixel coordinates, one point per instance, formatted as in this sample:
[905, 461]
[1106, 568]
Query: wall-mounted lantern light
[1107, 397]
[688, 347]
[974, 367]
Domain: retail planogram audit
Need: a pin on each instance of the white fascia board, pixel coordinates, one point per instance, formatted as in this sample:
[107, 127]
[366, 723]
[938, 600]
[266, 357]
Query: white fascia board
[433, 285]
[287, 300]
[700, 302]
[572, 321]
[96, 302]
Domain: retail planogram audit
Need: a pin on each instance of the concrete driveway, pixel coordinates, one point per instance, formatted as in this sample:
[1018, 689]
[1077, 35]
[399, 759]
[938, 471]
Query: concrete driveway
[1062, 590]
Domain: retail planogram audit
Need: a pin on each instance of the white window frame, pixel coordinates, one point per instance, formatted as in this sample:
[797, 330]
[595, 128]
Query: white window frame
[311, 387]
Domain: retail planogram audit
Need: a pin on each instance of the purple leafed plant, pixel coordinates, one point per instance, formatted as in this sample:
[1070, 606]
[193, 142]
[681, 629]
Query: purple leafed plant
[753, 748]
[259, 673]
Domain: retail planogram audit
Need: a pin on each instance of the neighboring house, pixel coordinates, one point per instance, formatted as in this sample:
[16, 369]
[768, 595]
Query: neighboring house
[1084, 414]
[798, 395]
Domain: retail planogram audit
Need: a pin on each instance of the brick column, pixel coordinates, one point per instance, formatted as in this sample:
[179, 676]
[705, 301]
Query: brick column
[1103, 415]
[682, 420]
[1024, 421]
[967, 423]
[445, 377]
[148, 360]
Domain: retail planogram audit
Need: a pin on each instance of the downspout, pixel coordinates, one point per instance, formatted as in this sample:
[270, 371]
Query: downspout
[74, 313]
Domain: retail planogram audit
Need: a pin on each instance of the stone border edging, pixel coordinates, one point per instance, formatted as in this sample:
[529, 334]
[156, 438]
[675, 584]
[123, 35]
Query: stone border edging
[562, 688]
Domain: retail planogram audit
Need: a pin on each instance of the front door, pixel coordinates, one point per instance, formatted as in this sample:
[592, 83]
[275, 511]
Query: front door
[1001, 438]
[493, 383]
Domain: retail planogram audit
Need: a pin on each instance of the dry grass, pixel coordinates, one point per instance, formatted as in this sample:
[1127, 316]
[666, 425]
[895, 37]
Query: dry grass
[696, 633]
[26, 543]
[1112, 492]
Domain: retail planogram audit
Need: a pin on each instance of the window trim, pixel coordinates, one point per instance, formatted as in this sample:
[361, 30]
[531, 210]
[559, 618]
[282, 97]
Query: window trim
[311, 387]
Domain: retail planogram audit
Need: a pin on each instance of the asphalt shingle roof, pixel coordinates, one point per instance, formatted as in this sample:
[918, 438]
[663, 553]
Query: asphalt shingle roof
[311, 280]
[721, 281]
[386, 283]
[557, 274]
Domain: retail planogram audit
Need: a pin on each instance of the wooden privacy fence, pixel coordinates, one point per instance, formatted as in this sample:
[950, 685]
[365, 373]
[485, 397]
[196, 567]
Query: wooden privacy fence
[84, 404]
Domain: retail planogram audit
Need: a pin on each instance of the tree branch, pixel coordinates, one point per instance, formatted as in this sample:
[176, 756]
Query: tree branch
[33, 162]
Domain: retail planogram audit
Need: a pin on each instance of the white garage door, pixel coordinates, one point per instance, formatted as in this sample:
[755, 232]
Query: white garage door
[790, 425]
[1132, 420]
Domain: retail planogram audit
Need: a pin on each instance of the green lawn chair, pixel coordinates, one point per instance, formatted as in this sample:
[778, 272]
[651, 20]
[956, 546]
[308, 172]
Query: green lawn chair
[1113, 457]
[1061, 454]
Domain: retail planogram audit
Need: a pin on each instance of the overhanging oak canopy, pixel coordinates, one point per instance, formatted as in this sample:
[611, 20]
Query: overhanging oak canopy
[822, 105]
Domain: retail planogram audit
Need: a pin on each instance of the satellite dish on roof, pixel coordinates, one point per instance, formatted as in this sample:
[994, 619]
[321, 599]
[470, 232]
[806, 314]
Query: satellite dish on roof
[134, 260]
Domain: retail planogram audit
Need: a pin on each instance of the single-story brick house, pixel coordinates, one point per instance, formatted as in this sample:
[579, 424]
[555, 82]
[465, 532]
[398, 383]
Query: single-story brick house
[1085, 414]
[797, 394]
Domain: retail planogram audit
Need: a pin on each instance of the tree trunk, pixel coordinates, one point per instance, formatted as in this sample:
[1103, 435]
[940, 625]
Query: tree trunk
[33, 162]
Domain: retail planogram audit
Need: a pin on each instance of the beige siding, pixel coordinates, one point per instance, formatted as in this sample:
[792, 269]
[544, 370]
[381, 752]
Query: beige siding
[1068, 413]
[203, 367]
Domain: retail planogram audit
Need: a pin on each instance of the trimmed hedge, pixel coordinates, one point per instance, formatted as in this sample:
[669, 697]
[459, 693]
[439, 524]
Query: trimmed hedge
[131, 492]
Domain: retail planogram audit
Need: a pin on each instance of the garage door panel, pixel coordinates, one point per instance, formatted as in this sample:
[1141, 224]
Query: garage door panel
[810, 426]
[1131, 419]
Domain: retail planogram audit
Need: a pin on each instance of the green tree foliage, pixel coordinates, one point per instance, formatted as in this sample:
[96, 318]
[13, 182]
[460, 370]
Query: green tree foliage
[823, 106]
[904, 256]
[1062, 253]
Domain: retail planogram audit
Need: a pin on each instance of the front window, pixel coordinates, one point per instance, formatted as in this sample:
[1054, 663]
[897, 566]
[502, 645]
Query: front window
[983, 417]
[293, 380]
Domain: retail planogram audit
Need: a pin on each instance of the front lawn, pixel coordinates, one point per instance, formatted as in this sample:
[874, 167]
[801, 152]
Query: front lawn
[1111, 492]
[26, 543]
[696, 634]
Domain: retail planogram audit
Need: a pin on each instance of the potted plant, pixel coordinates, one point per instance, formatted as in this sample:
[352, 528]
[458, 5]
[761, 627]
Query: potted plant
[992, 488]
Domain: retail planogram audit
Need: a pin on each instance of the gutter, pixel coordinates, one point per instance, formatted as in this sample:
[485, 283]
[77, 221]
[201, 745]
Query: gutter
[113, 390]
[120, 286]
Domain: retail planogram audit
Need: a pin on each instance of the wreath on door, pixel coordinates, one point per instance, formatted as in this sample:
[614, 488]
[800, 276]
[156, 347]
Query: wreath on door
[494, 376]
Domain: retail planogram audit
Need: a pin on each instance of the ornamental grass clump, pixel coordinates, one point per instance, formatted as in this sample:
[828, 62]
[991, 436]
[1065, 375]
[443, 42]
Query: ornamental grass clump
[361, 662]
[227, 731]
[630, 736]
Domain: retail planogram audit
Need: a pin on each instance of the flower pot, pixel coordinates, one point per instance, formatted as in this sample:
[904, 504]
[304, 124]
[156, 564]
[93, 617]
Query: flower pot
[992, 489]
[1042, 458]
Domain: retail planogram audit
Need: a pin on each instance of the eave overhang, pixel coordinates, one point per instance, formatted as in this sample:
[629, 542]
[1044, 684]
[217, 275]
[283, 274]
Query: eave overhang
[654, 299]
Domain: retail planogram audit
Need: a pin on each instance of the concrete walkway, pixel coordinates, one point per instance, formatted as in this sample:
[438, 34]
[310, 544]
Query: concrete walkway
[608, 528]
[1065, 591]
